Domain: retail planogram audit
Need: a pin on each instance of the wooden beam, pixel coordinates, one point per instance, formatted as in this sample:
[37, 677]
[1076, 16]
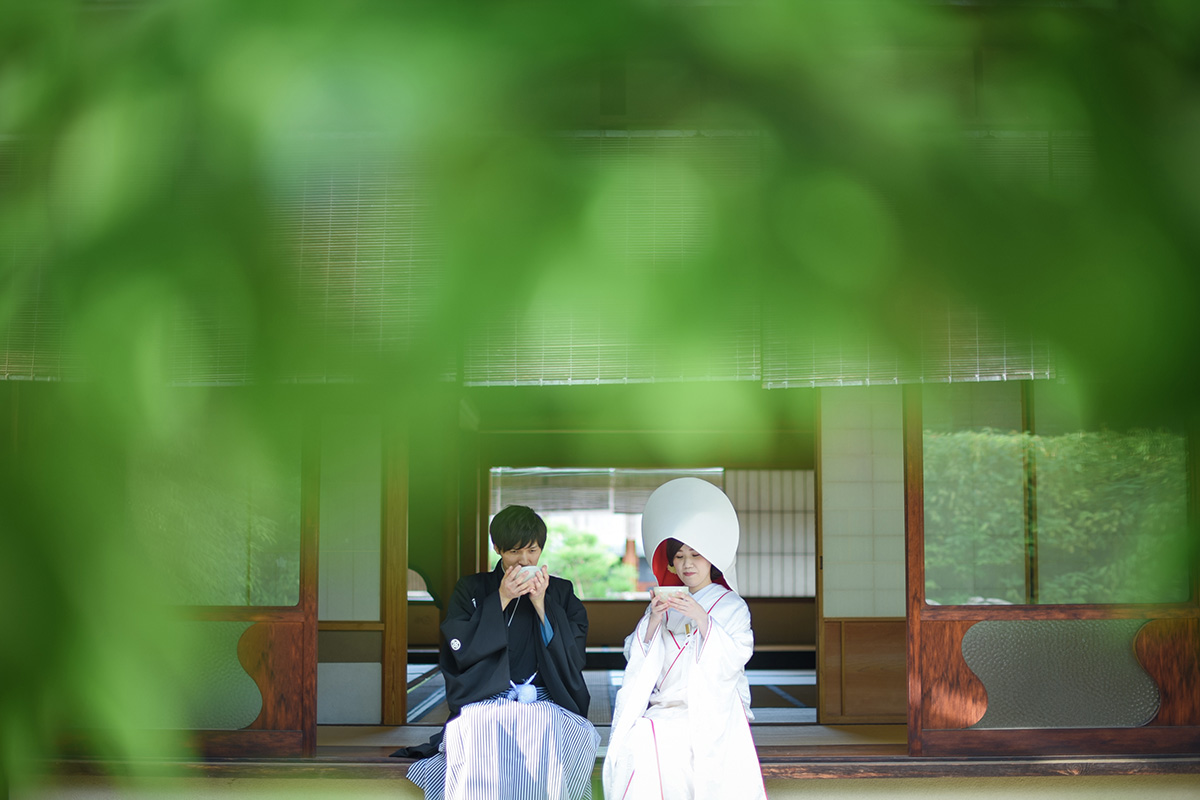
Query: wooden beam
[1155, 741]
[352, 625]
[869, 765]
[243, 613]
[795, 763]
[252, 744]
[1081, 611]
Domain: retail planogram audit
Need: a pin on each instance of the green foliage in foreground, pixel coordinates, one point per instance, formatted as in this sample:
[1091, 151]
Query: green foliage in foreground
[146, 149]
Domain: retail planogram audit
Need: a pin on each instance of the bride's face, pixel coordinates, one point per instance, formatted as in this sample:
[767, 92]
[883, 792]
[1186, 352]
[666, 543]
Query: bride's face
[692, 568]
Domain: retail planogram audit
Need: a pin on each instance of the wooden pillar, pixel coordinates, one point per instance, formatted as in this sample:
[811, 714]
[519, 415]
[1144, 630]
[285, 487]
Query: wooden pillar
[914, 556]
[310, 502]
[394, 546]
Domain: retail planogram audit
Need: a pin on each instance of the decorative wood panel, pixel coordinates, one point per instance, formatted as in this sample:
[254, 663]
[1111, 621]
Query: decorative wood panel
[830, 681]
[779, 623]
[944, 697]
[424, 621]
[610, 621]
[788, 622]
[1169, 651]
[873, 670]
[272, 654]
[863, 671]
[951, 695]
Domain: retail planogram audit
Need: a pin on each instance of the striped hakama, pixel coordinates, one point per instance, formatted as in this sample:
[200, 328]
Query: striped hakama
[499, 748]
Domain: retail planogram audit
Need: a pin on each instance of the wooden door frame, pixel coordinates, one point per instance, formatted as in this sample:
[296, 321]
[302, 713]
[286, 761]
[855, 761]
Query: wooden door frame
[279, 651]
[944, 696]
[394, 578]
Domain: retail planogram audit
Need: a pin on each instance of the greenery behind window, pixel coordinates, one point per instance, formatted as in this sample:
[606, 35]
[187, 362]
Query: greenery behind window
[1112, 517]
[218, 511]
[1100, 515]
[580, 557]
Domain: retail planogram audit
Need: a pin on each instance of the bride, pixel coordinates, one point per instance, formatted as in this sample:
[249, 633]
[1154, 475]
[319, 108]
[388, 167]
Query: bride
[681, 725]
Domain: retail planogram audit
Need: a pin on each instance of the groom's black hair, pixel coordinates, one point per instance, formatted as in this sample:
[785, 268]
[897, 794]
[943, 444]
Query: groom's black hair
[517, 527]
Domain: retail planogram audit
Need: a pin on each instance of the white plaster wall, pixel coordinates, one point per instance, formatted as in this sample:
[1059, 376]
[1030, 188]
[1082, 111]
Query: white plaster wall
[351, 486]
[862, 501]
[349, 693]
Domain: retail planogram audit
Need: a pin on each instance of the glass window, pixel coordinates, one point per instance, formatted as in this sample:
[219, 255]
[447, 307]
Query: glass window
[218, 510]
[974, 460]
[1060, 673]
[594, 521]
[1111, 509]
[1053, 512]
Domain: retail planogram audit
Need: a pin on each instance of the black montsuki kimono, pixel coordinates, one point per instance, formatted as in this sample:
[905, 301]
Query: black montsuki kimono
[485, 647]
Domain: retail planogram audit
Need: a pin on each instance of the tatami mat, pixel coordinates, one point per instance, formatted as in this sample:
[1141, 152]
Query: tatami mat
[783, 702]
[376, 741]
[777, 696]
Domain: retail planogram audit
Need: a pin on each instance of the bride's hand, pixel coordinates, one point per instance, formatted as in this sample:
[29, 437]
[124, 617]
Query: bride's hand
[686, 604]
[659, 604]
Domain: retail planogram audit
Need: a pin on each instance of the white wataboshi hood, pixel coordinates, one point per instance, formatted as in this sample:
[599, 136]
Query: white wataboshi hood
[698, 514]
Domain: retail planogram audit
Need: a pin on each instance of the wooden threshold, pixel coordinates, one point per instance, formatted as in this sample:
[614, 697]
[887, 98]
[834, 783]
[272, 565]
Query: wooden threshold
[777, 763]
[902, 766]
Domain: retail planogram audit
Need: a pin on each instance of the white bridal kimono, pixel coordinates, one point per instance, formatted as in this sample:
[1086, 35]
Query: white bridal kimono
[681, 728]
